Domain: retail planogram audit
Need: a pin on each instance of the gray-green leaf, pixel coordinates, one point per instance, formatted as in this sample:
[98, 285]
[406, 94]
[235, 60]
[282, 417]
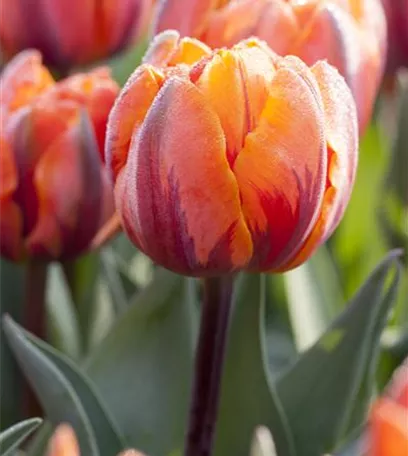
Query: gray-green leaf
[11, 438]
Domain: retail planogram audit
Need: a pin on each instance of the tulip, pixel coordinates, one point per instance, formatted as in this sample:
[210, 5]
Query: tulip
[63, 442]
[230, 159]
[349, 34]
[388, 427]
[71, 32]
[54, 190]
[397, 20]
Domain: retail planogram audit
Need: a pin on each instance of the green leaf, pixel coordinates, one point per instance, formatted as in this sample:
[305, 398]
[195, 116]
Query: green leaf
[65, 393]
[11, 438]
[319, 392]
[63, 328]
[314, 296]
[248, 397]
[143, 367]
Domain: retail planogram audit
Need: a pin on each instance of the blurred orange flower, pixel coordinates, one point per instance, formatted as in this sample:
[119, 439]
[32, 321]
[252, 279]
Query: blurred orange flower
[64, 443]
[350, 34]
[71, 32]
[230, 159]
[55, 195]
[397, 20]
[388, 428]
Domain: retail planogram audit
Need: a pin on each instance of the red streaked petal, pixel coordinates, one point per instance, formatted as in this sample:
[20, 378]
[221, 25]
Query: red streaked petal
[342, 139]
[128, 114]
[69, 188]
[178, 197]
[281, 174]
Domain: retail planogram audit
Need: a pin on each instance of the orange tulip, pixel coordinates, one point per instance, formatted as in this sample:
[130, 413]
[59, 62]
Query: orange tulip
[64, 443]
[397, 20]
[55, 195]
[70, 32]
[350, 34]
[230, 159]
[388, 429]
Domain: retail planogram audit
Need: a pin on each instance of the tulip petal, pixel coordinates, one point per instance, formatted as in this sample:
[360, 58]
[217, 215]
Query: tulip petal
[388, 431]
[399, 385]
[334, 35]
[186, 16]
[69, 188]
[342, 140]
[236, 84]
[128, 114]
[23, 79]
[281, 174]
[96, 92]
[274, 22]
[177, 180]
[167, 49]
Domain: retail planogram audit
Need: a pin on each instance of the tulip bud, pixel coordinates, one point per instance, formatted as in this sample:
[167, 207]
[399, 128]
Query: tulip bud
[71, 32]
[230, 159]
[388, 427]
[397, 20]
[63, 442]
[54, 191]
[349, 34]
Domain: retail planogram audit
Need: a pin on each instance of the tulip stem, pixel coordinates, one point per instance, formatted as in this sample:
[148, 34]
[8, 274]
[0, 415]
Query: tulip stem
[215, 314]
[34, 320]
[34, 312]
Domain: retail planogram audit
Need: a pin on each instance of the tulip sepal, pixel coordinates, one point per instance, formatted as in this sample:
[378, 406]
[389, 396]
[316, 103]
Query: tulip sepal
[215, 316]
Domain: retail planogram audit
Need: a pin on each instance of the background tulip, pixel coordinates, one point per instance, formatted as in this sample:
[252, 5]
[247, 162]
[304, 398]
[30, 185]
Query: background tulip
[211, 173]
[63, 442]
[350, 34]
[55, 195]
[71, 32]
[397, 20]
[388, 432]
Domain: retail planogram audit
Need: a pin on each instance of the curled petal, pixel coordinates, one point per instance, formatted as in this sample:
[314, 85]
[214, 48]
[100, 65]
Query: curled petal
[176, 180]
[342, 143]
[281, 185]
[168, 49]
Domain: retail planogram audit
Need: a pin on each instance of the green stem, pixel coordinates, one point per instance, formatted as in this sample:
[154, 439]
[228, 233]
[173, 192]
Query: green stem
[35, 319]
[215, 314]
[34, 311]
